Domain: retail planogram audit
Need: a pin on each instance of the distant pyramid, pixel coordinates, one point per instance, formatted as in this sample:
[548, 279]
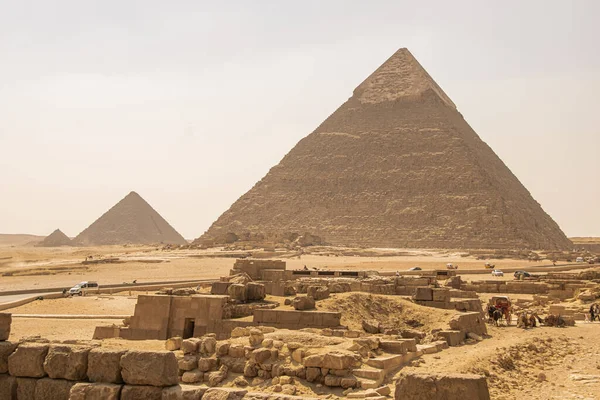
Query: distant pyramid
[395, 166]
[130, 221]
[55, 239]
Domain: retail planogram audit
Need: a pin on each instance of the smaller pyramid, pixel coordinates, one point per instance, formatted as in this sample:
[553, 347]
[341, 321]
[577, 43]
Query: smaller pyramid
[56, 239]
[131, 221]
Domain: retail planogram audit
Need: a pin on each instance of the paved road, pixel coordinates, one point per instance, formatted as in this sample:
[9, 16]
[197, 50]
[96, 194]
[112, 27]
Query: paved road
[15, 297]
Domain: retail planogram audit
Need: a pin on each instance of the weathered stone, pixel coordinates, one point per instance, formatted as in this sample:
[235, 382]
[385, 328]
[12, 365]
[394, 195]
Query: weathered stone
[193, 376]
[173, 343]
[235, 365]
[5, 323]
[255, 291]
[95, 391]
[332, 381]
[298, 355]
[237, 292]
[250, 370]
[333, 360]
[224, 394]
[453, 338]
[370, 326]
[150, 368]
[256, 337]
[183, 392]
[8, 387]
[288, 389]
[412, 334]
[67, 362]
[236, 350]
[317, 292]
[53, 389]
[312, 373]
[348, 382]
[294, 345]
[441, 386]
[222, 349]
[6, 349]
[303, 303]
[206, 364]
[215, 378]
[267, 343]
[26, 388]
[188, 362]
[28, 360]
[130, 392]
[469, 322]
[239, 332]
[104, 365]
[260, 355]
[190, 346]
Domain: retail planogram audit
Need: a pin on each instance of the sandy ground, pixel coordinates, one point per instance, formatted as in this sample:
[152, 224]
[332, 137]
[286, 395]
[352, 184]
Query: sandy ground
[33, 268]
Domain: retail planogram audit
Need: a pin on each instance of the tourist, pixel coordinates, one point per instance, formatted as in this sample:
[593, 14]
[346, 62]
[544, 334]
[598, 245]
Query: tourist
[592, 312]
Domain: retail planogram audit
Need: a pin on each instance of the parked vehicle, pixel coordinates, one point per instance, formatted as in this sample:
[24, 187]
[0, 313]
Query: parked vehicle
[451, 266]
[82, 287]
[489, 265]
[579, 260]
[415, 269]
[497, 272]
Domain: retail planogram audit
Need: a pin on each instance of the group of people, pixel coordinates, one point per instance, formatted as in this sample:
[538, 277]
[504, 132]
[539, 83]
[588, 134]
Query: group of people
[595, 312]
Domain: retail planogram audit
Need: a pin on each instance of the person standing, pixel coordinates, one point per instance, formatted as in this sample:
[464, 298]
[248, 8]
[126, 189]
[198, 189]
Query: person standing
[592, 312]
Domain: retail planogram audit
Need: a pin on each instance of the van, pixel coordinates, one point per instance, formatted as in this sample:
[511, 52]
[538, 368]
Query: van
[579, 259]
[82, 287]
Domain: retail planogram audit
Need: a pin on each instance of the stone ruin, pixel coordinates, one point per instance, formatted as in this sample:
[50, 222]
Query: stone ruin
[55, 239]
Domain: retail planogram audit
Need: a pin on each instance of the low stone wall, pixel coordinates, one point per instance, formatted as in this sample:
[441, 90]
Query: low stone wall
[285, 319]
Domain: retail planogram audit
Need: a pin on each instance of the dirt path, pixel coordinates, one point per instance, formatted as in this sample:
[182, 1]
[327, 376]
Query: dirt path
[515, 359]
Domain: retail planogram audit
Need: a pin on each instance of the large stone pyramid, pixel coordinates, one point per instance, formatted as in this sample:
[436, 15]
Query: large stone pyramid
[131, 221]
[395, 166]
[55, 239]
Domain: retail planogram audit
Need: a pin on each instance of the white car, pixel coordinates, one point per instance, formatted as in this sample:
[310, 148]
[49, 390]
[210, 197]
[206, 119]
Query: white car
[497, 272]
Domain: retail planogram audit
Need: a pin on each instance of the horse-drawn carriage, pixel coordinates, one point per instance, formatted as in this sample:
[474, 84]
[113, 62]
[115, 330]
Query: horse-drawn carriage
[499, 307]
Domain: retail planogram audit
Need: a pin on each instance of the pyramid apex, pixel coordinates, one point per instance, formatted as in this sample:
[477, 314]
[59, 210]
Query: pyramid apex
[399, 76]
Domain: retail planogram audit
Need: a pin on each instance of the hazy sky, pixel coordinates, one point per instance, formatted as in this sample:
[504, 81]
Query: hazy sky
[189, 103]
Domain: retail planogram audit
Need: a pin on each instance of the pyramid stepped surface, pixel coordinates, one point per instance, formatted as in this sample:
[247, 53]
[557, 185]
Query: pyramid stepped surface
[131, 221]
[394, 166]
[55, 239]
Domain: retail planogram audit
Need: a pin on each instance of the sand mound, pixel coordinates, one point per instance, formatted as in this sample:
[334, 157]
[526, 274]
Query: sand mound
[56, 239]
[390, 311]
[130, 221]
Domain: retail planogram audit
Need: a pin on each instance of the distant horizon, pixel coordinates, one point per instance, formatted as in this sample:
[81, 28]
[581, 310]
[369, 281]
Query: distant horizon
[191, 104]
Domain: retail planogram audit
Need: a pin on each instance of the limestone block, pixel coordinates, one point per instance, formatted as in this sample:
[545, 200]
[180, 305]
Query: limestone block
[255, 291]
[222, 349]
[8, 387]
[53, 389]
[260, 355]
[469, 322]
[224, 394]
[317, 292]
[26, 388]
[237, 292]
[141, 393]
[370, 326]
[67, 362]
[256, 337]
[173, 343]
[236, 350]
[183, 392]
[95, 391]
[453, 338]
[206, 364]
[208, 345]
[5, 322]
[332, 360]
[216, 377]
[239, 331]
[104, 365]
[424, 294]
[441, 386]
[188, 362]
[193, 376]
[150, 368]
[303, 303]
[28, 360]
[190, 346]
[6, 349]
